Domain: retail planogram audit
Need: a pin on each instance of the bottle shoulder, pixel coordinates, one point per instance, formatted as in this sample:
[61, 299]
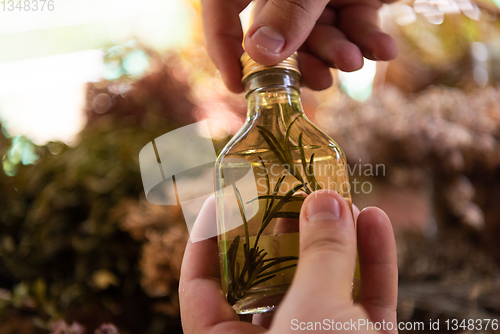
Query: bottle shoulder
[257, 138]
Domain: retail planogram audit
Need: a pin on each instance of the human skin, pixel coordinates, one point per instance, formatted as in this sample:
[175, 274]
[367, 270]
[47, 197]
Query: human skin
[327, 33]
[322, 285]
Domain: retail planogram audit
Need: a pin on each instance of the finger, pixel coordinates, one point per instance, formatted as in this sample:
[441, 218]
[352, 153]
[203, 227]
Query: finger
[360, 25]
[328, 16]
[280, 28]
[378, 265]
[203, 306]
[205, 225]
[223, 33]
[355, 211]
[332, 46]
[263, 319]
[286, 225]
[200, 284]
[327, 250]
[289, 224]
[315, 73]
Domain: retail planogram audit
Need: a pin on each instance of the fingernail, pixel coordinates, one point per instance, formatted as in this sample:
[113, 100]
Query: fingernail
[268, 39]
[323, 208]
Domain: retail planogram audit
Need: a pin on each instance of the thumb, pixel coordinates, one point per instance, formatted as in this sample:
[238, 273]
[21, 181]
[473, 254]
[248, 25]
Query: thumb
[327, 250]
[280, 28]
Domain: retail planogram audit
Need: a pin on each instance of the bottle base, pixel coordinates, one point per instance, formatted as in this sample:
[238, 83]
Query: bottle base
[261, 301]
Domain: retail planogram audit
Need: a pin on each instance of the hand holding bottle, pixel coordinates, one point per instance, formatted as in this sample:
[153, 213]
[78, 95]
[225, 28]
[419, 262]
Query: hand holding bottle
[322, 284]
[327, 33]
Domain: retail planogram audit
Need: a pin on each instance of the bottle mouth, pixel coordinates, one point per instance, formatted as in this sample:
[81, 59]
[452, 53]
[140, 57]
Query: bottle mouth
[250, 66]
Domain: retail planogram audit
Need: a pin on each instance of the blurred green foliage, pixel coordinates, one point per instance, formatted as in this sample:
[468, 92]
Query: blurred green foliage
[62, 252]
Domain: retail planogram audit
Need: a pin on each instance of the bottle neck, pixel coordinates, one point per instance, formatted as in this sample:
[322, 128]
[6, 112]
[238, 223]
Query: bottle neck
[273, 98]
[273, 79]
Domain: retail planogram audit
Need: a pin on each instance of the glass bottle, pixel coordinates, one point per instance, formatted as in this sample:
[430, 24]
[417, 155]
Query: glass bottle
[262, 177]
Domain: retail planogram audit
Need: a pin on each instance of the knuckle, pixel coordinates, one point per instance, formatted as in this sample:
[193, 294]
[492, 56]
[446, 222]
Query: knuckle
[376, 302]
[289, 6]
[303, 5]
[326, 244]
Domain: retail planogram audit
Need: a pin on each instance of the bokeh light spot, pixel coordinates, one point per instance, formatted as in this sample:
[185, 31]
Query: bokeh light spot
[136, 62]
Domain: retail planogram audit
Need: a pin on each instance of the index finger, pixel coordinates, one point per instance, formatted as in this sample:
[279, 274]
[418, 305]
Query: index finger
[360, 23]
[200, 281]
[224, 35]
[204, 308]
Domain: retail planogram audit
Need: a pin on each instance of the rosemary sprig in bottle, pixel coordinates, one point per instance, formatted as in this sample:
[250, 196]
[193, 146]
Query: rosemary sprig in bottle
[257, 268]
